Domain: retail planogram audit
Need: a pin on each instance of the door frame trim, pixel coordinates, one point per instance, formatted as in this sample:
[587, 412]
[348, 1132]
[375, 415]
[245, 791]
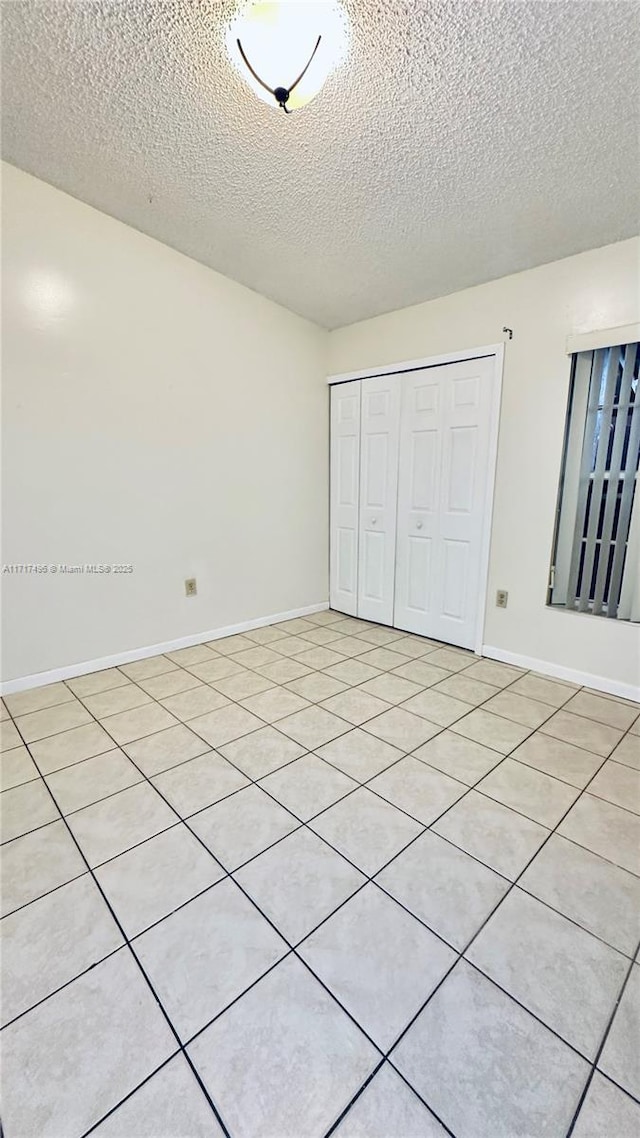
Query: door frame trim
[497, 351]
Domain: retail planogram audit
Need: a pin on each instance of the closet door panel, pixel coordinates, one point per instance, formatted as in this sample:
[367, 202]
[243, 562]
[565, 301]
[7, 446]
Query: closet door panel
[380, 411]
[345, 482]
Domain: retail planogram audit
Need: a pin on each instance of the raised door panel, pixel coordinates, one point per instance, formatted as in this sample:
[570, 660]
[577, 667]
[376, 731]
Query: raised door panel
[380, 410]
[345, 482]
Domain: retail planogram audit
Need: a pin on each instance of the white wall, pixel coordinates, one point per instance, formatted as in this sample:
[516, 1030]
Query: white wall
[155, 413]
[594, 290]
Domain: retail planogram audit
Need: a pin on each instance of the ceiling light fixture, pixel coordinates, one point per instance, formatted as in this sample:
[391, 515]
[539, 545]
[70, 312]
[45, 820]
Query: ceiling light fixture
[286, 51]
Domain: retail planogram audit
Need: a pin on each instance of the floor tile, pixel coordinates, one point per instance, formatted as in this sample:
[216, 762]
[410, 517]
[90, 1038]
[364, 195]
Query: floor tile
[316, 686]
[152, 666]
[489, 672]
[50, 942]
[359, 754]
[561, 973]
[114, 700]
[114, 825]
[196, 654]
[71, 747]
[635, 727]
[169, 1103]
[356, 953]
[324, 637]
[284, 671]
[620, 1058]
[256, 657]
[414, 647]
[4, 714]
[390, 688]
[91, 780]
[451, 659]
[547, 691]
[607, 711]
[439, 708]
[165, 749]
[383, 658]
[225, 725]
[607, 1111]
[198, 783]
[219, 668]
[36, 699]
[266, 635]
[307, 786]
[417, 789]
[170, 683]
[318, 658]
[52, 720]
[275, 704]
[491, 730]
[562, 760]
[461, 758]
[313, 727]
[421, 672]
[389, 1107]
[9, 735]
[297, 625]
[628, 751]
[242, 684]
[294, 645]
[70, 1048]
[183, 955]
[380, 635]
[402, 729]
[299, 882]
[25, 808]
[16, 768]
[326, 616]
[469, 691]
[619, 784]
[150, 881]
[227, 645]
[261, 752]
[353, 672]
[530, 792]
[242, 826]
[352, 646]
[197, 701]
[285, 1061]
[131, 725]
[448, 890]
[519, 708]
[518, 1078]
[355, 705]
[582, 732]
[351, 625]
[499, 837]
[36, 863]
[606, 830]
[602, 898]
[366, 829]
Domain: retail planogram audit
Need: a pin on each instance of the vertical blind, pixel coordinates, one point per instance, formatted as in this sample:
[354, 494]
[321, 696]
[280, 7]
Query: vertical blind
[608, 468]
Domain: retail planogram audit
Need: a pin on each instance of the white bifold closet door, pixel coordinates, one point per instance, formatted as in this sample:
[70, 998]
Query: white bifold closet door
[445, 434]
[345, 481]
[380, 420]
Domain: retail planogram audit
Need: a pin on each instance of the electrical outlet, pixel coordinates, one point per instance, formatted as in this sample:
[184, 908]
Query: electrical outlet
[502, 597]
[190, 587]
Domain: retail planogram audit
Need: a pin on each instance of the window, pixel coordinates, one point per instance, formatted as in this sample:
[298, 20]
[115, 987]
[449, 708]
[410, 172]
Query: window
[597, 540]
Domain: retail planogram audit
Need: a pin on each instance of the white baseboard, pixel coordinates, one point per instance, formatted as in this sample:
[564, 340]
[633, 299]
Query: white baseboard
[70, 671]
[559, 672]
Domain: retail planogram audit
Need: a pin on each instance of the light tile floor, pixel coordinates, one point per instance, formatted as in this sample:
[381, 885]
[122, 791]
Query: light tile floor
[320, 878]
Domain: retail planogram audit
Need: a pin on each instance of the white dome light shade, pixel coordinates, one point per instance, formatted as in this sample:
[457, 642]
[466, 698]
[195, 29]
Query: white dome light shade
[282, 43]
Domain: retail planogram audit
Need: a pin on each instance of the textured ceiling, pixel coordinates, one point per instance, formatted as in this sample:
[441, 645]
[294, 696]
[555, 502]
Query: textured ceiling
[461, 140]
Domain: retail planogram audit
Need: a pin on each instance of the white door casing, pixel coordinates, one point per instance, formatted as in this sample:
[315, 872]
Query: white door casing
[345, 481]
[380, 421]
[445, 444]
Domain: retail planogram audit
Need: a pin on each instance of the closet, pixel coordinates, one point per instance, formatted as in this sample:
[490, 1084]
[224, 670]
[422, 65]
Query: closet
[412, 458]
